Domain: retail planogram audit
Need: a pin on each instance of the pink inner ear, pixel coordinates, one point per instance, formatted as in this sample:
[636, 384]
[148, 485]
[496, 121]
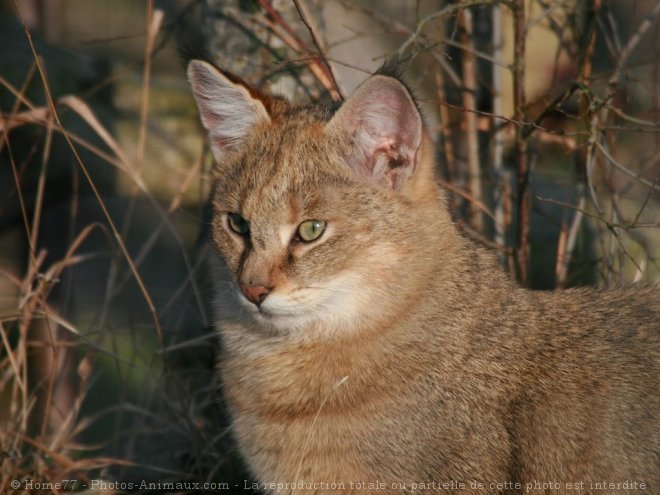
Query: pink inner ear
[386, 128]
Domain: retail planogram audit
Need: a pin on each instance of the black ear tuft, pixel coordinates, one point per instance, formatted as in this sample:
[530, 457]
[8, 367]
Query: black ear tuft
[189, 50]
[397, 68]
[393, 67]
[191, 41]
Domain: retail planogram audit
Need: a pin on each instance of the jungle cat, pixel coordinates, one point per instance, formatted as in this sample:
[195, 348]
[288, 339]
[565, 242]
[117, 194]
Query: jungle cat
[369, 348]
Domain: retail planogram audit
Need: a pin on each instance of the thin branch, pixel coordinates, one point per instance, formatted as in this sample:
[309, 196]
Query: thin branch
[308, 21]
[299, 46]
[546, 14]
[497, 141]
[469, 68]
[600, 219]
[468, 47]
[635, 120]
[507, 120]
[445, 126]
[448, 10]
[633, 42]
[519, 101]
[625, 169]
[468, 197]
[291, 38]
[397, 27]
[566, 244]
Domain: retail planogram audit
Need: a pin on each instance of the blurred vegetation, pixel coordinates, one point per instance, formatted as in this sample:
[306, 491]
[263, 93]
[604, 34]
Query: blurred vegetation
[546, 117]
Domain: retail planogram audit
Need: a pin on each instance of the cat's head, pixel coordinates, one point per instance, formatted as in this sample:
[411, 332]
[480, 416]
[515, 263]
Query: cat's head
[317, 208]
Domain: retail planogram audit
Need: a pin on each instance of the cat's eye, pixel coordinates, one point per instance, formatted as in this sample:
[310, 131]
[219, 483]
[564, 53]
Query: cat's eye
[238, 224]
[310, 230]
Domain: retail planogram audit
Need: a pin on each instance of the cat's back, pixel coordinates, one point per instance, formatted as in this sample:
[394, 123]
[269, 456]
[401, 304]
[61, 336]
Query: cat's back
[591, 387]
[622, 321]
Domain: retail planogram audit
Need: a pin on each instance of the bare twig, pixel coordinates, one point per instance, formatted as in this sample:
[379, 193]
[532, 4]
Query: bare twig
[547, 11]
[519, 99]
[394, 26]
[600, 219]
[308, 21]
[468, 197]
[448, 10]
[625, 169]
[531, 126]
[566, 244]
[497, 141]
[633, 42]
[469, 67]
[635, 120]
[445, 126]
[468, 47]
[291, 38]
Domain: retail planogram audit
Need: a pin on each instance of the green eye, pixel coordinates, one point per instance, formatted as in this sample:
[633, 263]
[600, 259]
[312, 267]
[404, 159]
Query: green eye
[238, 224]
[310, 230]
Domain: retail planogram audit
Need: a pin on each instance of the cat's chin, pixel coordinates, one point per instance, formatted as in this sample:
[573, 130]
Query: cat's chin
[304, 327]
[279, 318]
[329, 308]
[283, 321]
[284, 316]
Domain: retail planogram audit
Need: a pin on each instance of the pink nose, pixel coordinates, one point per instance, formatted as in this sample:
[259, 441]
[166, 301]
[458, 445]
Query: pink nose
[255, 293]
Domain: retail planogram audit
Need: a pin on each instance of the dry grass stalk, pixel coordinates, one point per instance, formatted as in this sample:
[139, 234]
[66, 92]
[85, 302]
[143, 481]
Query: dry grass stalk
[154, 22]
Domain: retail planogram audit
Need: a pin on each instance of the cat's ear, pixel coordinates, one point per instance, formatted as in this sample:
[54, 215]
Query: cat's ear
[385, 128]
[228, 109]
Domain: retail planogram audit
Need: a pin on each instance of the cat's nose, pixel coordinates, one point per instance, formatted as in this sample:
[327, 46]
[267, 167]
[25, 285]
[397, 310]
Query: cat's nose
[255, 293]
